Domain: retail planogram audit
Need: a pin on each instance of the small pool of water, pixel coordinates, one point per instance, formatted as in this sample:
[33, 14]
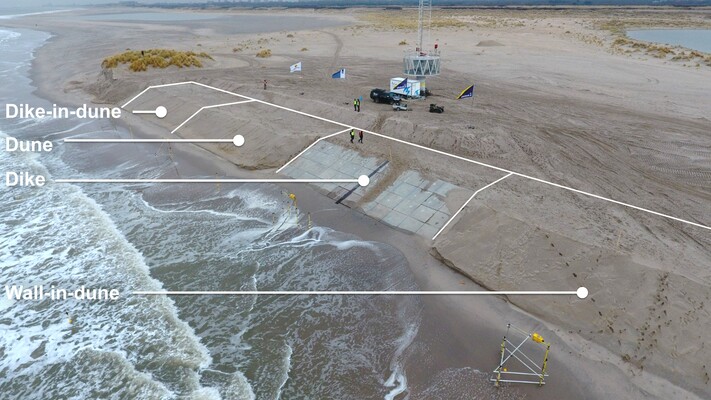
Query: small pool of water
[696, 39]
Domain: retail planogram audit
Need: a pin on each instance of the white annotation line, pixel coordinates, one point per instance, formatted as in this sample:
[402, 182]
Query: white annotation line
[578, 293]
[155, 87]
[467, 202]
[214, 180]
[312, 145]
[167, 140]
[207, 107]
[435, 151]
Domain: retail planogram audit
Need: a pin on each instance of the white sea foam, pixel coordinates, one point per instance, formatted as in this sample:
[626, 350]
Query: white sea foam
[12, 16]
[57, 232]
[288, 351]
[8, 35]
[396, 365]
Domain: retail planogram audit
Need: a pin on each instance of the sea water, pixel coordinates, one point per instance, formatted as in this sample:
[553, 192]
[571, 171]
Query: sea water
[181, 237]
[695, 39]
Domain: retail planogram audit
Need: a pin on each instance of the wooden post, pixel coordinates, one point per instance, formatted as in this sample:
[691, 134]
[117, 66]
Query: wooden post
[545, 366]
[501, 363]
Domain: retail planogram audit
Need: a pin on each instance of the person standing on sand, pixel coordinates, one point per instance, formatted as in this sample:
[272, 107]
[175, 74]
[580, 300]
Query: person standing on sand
[358, 104]
[265, 84]
[360, 137]
[355, 104]
[352, 135]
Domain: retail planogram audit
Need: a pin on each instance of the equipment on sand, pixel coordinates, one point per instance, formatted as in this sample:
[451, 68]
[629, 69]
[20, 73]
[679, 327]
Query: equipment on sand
[434, 108]
[423, 62]
[516, 364]
[383, 96]
[398, 106]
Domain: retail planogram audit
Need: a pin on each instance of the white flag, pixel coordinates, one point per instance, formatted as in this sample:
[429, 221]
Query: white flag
[296, 67]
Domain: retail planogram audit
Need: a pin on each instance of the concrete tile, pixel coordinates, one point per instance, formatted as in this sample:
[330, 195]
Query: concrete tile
[410, 224]
[446, 209]
[355, 196]
[427, 231]
[423, 213]
[310, 165]
[403, 189]
[328, 173]
[329, 187]
[370, 164]
[350, 170]
[424, 184]
[407, 206]
[390, 200]
[408, 175]
[307, 175]
[369, 206]
[434, 202]
[419, 196]
[381, 198]
[394, 218]
[339, 192]
[438, 219]
[379, 211]
[413, 179]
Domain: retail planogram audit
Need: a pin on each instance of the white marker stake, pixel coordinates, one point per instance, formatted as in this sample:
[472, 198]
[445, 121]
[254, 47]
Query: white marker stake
[165, 140]
[158, 180]
[361, 293]
[159, 112]
[238, 140]
[363, 180]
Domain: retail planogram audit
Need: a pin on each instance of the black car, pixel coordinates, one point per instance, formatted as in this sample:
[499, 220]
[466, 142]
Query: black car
[383, 96]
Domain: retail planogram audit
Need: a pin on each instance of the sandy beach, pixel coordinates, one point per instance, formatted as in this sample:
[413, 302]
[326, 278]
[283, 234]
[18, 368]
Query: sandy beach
[558, 97]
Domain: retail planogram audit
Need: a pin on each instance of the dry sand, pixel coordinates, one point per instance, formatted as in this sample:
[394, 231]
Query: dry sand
[556, 100]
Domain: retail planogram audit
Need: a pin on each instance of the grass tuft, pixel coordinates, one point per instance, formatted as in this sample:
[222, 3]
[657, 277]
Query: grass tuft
[264, 53]
[139, 61]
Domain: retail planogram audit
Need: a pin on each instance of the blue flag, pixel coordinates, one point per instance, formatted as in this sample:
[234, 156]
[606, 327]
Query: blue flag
[340, 74]
[468, 92]
[401, 85]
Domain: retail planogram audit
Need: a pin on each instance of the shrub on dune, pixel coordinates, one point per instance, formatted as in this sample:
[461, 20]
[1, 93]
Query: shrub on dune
[264, 53]
[139, 61]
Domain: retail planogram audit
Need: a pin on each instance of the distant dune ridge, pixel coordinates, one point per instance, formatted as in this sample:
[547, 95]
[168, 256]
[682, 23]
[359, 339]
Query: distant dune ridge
[489, 43]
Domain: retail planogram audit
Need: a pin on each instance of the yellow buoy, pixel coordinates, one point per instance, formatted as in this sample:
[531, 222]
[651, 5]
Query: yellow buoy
[537, 338]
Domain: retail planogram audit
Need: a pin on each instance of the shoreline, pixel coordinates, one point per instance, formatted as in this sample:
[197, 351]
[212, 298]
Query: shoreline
[429, 275]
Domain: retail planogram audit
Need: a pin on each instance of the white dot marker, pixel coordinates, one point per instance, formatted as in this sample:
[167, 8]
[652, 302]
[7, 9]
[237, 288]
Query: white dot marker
[363, 180]
[161, 112]
[582, 292]
[238, 140]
